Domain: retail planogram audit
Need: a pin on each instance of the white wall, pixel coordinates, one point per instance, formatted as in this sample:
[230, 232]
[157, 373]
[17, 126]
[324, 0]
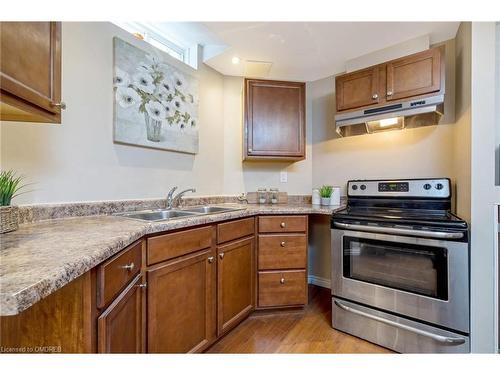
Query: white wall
[78, 161]
[484, 193]
[410, 153]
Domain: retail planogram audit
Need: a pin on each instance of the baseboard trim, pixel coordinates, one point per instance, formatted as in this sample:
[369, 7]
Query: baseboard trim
[319, 281]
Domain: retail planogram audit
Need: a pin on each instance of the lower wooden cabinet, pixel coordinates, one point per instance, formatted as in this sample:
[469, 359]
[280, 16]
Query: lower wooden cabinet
[181, 304]
[122, 326]
[235, 283]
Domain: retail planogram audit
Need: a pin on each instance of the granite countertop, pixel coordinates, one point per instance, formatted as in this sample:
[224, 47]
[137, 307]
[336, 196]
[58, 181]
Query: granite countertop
[43, 256]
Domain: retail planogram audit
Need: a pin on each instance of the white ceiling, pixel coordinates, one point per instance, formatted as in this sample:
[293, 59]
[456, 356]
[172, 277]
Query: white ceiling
[307, 51]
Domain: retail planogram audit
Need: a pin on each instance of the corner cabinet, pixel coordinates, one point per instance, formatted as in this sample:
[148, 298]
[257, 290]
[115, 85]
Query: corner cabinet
[274, 116]
[30, 72]
[414, 76]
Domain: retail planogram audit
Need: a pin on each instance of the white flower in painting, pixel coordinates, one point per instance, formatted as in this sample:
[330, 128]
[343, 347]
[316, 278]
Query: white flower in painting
[127, 97]
[178, 80]
[144, 82]
[121, 78]
[178, 105]
[169, 109]
[167, 87]
[156, 111]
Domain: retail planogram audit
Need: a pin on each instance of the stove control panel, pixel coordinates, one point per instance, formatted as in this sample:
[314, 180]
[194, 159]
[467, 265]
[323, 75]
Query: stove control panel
[417, 188]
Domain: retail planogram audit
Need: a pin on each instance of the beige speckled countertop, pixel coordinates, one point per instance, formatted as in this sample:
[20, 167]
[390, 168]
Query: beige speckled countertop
[43, 256]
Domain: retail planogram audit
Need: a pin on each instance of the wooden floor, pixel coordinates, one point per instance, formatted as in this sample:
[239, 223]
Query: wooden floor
[307, 330]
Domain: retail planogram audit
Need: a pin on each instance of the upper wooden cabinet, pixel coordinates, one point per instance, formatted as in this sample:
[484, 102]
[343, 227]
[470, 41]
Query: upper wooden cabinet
[417, 75]
[414, 75]
[274, 120]
[30, 71]
[357, 89]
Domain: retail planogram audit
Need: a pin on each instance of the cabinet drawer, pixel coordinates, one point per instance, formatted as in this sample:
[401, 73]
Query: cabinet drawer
[114, 274]
[282, 251]
[235, 229]
[282, 288]
[176, 244]
[278, 224]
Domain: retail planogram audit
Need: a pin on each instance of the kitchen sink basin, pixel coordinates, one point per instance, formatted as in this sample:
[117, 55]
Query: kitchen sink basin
[210, 209]
[160, 215]
[157, 215]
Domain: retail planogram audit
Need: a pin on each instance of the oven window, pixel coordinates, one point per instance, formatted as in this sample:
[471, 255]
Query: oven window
[413, 268]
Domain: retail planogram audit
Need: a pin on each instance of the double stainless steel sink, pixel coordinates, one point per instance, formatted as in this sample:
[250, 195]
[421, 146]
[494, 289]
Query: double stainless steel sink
[161, 215]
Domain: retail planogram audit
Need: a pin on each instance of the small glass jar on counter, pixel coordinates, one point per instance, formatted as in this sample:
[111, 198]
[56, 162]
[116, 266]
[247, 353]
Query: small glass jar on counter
[274, 195]
[261, 195]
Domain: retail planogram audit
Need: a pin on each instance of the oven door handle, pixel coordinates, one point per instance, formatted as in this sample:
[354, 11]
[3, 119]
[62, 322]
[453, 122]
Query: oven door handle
[401, 231]
[436, 337]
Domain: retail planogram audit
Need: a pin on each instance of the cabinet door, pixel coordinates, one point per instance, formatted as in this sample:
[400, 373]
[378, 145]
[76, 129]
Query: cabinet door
[358, 89]
[274, 120]
[30, 69]
[122, 326]
[414, 75]
[235, 283]
[181, 304]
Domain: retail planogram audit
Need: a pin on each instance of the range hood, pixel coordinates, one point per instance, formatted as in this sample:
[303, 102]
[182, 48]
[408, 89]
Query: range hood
[408, 114]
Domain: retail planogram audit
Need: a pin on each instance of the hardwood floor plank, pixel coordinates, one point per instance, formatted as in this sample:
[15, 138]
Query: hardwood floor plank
[306, 330]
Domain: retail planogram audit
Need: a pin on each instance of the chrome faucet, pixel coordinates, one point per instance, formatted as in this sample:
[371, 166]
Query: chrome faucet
[173, 201]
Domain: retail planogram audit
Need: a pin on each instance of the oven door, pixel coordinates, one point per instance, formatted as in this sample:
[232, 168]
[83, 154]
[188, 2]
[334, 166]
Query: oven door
[425, 279]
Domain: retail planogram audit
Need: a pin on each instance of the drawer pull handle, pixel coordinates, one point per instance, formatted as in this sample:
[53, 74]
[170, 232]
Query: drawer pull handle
[129, 267]
[282, 225]
[282, 243]
[282, 280]
[142, 285]
[210, 259]
[221, 255]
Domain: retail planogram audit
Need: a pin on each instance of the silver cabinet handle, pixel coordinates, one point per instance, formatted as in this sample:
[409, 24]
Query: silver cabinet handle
[402, 231]
[61, 105]
[434, 336]
[282, 280]
[389, 93]
[375, 96]
[282, 243]
[129, 267]
[142, 285]
[221, 255]
[283, 224]
[210, 259]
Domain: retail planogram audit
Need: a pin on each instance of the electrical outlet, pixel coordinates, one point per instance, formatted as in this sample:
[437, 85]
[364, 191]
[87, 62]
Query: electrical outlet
[283, 176]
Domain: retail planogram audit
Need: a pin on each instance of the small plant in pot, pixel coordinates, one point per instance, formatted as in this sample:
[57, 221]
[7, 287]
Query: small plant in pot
[10, 186]
[325, 192]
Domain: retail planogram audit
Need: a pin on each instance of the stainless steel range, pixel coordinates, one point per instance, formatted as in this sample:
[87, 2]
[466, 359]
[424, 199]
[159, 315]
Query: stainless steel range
[400, 272]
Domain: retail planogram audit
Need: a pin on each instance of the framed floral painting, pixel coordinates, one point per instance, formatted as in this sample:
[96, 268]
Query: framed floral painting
[156, 103]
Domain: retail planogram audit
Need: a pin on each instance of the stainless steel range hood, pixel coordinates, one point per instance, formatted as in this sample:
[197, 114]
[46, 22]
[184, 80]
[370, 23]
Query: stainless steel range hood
[408, 114]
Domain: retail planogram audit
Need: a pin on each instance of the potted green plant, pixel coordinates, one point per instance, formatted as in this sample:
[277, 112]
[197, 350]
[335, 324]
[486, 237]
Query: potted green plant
[325, 193]
[10, 186]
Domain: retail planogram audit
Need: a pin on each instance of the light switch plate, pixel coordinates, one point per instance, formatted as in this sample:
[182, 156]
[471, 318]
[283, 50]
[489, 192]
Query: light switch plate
[283, 176]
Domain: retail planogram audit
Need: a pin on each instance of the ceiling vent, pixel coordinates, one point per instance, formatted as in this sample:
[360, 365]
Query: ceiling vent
[257, 69]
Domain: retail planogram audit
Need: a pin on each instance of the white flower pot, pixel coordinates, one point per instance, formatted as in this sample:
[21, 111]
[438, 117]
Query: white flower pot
[325, 201]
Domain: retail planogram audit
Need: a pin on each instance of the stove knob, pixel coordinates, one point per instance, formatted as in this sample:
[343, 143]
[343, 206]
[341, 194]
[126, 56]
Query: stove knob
[427, 186]
[354, 187]
[439, 186]
[363, 187]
